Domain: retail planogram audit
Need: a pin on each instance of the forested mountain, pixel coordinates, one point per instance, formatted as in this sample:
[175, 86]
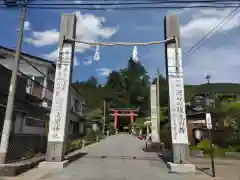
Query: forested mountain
[129, 87]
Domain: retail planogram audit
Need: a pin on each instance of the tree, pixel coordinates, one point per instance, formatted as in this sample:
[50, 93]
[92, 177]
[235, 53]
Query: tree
[92, 81]
[130, 87]
[114, 81]
[95, 114]
[163, 90]
[228, 114]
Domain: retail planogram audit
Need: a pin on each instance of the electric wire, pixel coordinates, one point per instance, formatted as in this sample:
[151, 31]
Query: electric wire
[131, 5]
[210, 33]
[123, 8]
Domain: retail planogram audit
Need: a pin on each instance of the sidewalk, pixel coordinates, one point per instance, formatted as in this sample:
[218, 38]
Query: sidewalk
[225, 169]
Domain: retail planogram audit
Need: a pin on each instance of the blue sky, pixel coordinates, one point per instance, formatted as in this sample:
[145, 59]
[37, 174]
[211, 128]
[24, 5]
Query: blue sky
[218, 56]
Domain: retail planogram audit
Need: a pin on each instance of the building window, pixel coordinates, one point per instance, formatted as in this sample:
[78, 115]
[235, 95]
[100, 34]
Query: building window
[76, 106]
[75, 128]
[72, 102]
[34, 122]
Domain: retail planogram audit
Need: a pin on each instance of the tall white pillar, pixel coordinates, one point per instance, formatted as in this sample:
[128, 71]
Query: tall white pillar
[177, 107]
[154, 111]
[58, 117]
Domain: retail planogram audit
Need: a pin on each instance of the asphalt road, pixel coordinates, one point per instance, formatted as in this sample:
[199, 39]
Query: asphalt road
[118, 157]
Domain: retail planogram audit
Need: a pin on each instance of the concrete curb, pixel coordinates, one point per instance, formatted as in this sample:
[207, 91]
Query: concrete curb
[14, 169]
[17, 168]
[218, 161]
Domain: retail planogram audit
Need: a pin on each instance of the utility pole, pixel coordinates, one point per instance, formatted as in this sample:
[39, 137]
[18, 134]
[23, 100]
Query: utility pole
[208, 77]
[158, 104]
[104, 116]
[12, 89]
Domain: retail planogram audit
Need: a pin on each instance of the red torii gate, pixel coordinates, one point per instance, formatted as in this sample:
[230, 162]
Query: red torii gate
[123, 112]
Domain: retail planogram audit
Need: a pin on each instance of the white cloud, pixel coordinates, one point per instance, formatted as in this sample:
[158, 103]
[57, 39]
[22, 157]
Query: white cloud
[218, 57]
[27, 26]
[88, 60]
[89, 28]
[53, 55]
[103, 71]
[78, 2]
[219, 60]
[44, 38]
[222, 63]
[205, 20]
[75, 62]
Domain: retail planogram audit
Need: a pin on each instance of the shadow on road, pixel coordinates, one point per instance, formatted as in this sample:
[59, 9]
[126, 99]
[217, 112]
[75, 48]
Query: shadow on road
[205, 170]
[168, 158]
[73, 157]
[151, 150]
[124, 157]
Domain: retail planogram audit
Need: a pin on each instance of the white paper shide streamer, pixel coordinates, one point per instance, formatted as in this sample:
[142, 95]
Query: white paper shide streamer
[97, 54]
[135, 54]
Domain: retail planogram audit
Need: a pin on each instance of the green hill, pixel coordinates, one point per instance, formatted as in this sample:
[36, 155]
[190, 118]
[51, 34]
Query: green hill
[221, 88]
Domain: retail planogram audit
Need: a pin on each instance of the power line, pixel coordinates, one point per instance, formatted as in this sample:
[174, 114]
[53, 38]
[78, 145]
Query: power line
[117, 5]
[212, 31]
[128, 0]
[110, 2]
[125, 8]
[134, 3]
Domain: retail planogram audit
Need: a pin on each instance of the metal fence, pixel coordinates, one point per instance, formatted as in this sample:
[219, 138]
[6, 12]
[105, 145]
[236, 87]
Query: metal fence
[23, 146]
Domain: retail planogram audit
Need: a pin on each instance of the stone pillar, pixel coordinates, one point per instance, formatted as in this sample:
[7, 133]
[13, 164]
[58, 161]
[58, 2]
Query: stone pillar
[115, 120]
[154, 120]
[177, 114]
[131, 117]
[58, 117]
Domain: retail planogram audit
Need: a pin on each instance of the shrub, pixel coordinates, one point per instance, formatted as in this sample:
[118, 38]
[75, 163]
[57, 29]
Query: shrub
[194, 148]
[29, 154]
[235, 148]
[74, 144]
[204, 145]
[91, 135]
[111, 129]
[165, 135]
[100, 135]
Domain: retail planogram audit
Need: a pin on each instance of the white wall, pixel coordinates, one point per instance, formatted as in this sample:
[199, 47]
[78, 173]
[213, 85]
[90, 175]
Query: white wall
[21, 127]
[95, 127]
[24, 67]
